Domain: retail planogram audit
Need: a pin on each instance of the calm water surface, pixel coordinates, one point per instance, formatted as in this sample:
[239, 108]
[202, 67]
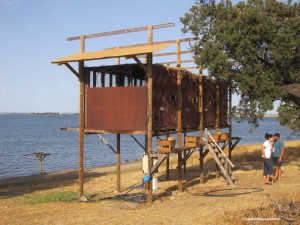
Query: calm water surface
[24, 134]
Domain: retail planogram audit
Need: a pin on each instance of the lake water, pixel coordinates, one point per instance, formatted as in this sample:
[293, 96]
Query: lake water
[25, 134]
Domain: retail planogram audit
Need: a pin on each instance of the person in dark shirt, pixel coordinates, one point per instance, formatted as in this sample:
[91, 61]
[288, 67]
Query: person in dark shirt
[278, 152]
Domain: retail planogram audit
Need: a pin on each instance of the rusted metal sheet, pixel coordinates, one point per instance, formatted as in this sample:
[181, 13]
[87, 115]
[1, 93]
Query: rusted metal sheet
[190, 102]
[117, 108]
[223, 104]
[164, 98]
[209, 102]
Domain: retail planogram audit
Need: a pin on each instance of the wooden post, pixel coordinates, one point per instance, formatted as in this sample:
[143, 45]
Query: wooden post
[118, 155]
[168, 168]
[110, 80]
[217, 122]
[149, 61]
[201, 121]
[102, 79]
[184, 155]
[179, 113]
[94, 79]
[81, 119]
[230, 124]
[118, 163]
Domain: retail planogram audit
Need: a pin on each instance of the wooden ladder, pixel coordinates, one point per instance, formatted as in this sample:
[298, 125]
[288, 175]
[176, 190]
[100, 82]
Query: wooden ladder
[220, 157]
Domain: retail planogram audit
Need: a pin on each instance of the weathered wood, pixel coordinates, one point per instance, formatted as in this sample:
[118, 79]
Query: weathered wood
[184, 154]
[185, 158]
[150, 116]
[179, 172]
[220, 164]
[160, 160]
[230, 118]
[140, 64]
[102, 79]
[166, 54]
[106, 142]
[118, 163]
[124, 31]
[159, 42]
[220, 150]
[168, 168]
[176, 62]
[81, 120]
[137, 141]
[94, 79]
[92, 131]
[72, 69]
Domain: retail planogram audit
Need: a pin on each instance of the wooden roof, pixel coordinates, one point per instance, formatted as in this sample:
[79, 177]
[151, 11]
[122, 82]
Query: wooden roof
[113, 53]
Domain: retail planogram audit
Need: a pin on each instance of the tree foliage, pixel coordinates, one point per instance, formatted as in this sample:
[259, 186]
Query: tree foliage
[255, 45]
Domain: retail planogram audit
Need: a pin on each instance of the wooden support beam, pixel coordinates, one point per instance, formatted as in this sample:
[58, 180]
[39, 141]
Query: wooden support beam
[168, 168]
[106, 142]
[124, 31]
[110, 80]
[137, 141]
[149, 118]
[102, 79]
[94, 79]
[201, 124]
[186, 157]
[159, 42]
[175, 62]
[230, 118]
[179, 173]
[166, 54]
[160, 160]
[72, 69]
[81, 118]
[217, 122]
[118, 163]
[140, 64]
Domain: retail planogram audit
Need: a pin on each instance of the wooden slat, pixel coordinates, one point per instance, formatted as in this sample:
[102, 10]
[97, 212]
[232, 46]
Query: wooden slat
[72, 69]
[124, 31]
[140, 64]
[160, 42]
[106, 142]
[166, 54]
[175, 62]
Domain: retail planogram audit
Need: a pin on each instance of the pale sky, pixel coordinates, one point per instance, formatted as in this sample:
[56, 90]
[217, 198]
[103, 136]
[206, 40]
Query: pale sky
[34, 32]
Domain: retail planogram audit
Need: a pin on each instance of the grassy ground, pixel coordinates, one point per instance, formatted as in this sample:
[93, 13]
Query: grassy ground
[52, 198]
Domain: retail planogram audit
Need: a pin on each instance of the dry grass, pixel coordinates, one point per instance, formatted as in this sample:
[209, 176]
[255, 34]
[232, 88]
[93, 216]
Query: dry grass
[49, 199]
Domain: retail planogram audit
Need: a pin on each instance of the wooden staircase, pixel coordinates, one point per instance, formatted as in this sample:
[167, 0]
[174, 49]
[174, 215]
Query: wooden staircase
[220, 157]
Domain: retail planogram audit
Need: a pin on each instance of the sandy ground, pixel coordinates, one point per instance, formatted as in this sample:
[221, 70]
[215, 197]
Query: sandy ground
[22, 200]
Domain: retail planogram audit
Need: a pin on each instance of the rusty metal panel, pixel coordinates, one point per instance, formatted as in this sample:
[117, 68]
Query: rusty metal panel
[164, 98]
[209, 103]
[117, 108]
[190, 102]
[223, 104]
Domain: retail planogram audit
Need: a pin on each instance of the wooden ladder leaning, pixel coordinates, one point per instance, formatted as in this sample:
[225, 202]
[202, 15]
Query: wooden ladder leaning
[220, 157]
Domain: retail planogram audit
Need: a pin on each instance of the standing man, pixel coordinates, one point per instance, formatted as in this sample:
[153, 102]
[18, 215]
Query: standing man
[278, 155]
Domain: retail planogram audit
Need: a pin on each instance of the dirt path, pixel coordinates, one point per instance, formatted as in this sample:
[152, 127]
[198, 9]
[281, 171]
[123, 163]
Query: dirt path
[21, 199]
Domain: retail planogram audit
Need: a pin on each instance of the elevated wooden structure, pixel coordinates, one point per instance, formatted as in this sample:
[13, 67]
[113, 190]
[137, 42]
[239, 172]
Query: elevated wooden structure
[149, 99]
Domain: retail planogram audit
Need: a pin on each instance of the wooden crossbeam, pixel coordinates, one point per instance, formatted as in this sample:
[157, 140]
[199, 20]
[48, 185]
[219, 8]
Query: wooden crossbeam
[185, 159]
[124, 31]
[137, 141]
[140, 64]
[160, 42]
[72, 69]
[160, 160]
[175, 62]
[106, 142]
[166, 54]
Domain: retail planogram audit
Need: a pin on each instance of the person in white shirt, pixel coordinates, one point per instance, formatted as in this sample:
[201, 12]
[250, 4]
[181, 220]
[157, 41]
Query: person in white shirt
[266, 156]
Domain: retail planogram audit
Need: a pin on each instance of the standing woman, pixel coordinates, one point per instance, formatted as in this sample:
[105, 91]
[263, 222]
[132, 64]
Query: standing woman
[266, 156]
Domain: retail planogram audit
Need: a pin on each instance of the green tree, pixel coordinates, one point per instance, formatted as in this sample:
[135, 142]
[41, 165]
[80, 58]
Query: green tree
[255, 45]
